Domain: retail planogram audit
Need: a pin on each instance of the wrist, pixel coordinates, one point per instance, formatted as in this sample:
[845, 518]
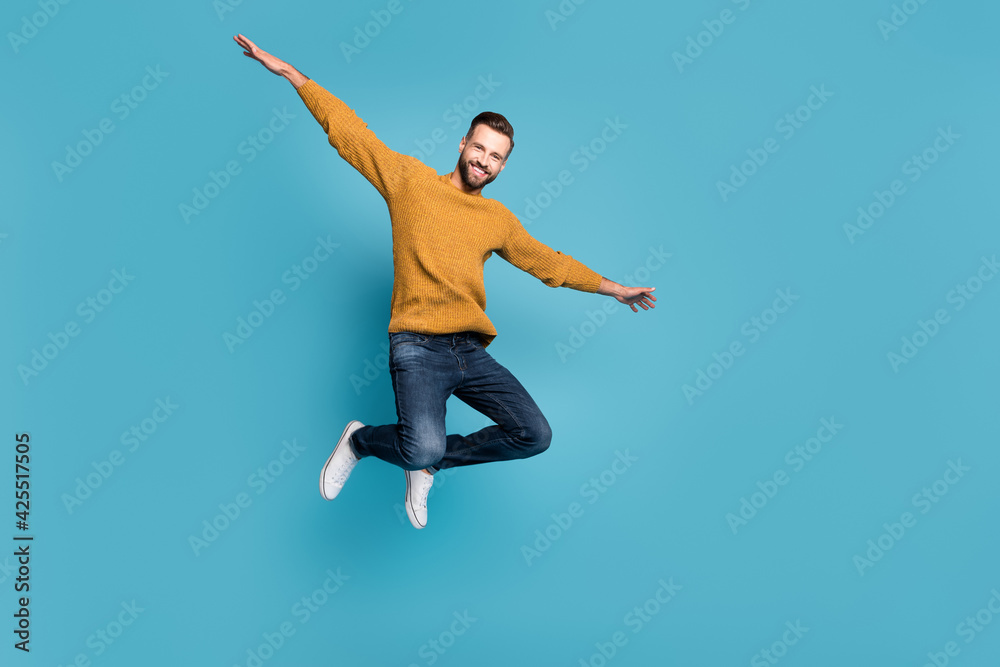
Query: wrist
[609, 287]
[295, 77]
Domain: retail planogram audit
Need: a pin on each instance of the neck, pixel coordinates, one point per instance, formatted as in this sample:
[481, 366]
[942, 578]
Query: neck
[456, 180]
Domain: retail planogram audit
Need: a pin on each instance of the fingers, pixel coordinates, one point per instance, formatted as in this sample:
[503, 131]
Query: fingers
[246, 44]
[644, 304]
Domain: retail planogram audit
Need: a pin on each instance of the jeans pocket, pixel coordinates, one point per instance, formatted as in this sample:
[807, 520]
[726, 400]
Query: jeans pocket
[407, 338]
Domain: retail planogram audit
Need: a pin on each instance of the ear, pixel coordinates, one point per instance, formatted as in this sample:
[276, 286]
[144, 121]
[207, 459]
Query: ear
[461, 145]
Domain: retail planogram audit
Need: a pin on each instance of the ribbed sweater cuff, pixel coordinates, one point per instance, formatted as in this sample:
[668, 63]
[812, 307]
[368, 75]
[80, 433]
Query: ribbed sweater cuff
[582, 278]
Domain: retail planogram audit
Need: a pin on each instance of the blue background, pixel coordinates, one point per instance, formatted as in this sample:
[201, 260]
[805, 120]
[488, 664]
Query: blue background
[669, 515]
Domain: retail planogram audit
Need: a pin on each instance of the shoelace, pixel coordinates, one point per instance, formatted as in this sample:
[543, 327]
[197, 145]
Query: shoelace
[343, 472]
[426, 482]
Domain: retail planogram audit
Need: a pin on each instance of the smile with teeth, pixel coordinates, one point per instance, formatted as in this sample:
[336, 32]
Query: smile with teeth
[481, 172]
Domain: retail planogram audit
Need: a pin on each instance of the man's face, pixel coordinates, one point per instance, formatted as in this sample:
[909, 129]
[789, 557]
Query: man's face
[482, 157]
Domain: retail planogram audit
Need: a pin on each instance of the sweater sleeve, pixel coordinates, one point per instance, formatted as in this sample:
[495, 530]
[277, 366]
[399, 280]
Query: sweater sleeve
[552, 267]
[384, 168]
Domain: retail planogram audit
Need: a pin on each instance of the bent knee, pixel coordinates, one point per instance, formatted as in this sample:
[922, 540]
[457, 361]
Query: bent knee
[536, 437]
[423, 453]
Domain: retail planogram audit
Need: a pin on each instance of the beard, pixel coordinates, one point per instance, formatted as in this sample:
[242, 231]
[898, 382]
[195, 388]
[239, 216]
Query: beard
[471, 178]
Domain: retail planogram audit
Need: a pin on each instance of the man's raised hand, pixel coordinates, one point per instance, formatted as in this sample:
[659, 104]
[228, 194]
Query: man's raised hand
[251, 50]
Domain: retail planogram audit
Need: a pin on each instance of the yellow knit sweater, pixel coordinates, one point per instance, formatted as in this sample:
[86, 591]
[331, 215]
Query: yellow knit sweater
[441, 236]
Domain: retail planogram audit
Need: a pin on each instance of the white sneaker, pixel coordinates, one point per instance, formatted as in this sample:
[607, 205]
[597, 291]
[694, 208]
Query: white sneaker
[418, 485]
[340, 464]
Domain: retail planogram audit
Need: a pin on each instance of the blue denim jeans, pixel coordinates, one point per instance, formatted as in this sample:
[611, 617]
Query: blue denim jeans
[426, 369]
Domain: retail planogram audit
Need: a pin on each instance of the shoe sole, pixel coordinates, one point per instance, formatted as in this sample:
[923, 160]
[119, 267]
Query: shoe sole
[409, 509]
[322, 474]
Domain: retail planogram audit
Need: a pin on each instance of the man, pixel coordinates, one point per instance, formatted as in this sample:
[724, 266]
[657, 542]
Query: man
[443, 230]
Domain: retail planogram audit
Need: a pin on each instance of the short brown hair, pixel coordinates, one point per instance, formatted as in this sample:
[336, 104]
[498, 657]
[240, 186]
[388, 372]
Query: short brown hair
[494, 121]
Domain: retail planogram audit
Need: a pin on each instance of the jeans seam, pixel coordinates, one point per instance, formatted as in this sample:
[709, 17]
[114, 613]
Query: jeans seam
[482, 444]
[493, 398]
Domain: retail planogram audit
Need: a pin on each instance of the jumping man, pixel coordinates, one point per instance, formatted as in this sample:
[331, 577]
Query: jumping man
[443, 231]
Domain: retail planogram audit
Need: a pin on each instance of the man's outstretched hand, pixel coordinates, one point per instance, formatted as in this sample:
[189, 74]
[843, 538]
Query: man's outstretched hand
[630, 296]
[251, 50]
[273, 64]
